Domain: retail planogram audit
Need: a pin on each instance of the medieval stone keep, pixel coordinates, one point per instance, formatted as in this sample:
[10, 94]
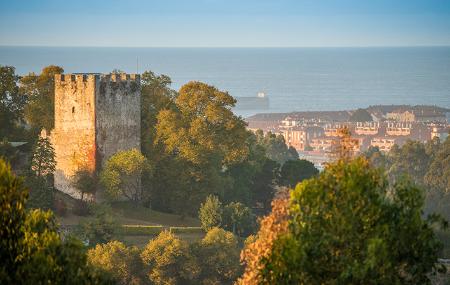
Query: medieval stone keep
[96, 115]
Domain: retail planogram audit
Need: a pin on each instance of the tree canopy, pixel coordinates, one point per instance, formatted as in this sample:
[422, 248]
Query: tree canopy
[122, 175]
[347, 226]
[32, 251]
[295, 171]
[360, 115]
[40, 92]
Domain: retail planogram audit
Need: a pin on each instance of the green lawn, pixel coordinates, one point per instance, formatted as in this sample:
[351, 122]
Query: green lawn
[128, 213]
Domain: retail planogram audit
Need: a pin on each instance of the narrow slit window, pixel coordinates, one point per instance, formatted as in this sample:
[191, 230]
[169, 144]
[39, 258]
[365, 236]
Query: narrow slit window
[73, 110]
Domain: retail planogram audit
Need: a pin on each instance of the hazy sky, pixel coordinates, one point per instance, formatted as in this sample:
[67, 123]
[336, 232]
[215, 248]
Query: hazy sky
[225, 23]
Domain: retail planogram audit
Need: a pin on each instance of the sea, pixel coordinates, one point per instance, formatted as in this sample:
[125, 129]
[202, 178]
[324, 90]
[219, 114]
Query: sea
[294, 79]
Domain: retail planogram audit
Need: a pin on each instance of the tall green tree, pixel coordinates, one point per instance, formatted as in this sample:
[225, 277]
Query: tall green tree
[156, 95]
[40, 92]
[11, 102]
[276, 148]
[410, 160]
[43, 162]
[31, 249]
[203, 132]
[295, 171]
[348, 227]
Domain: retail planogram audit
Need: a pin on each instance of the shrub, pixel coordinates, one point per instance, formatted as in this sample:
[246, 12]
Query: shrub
[210, 213]
[60, 207]
[168, 260]
[121, 262]
[101, 228]
[81, 208]
[239, 219]
[218, 254]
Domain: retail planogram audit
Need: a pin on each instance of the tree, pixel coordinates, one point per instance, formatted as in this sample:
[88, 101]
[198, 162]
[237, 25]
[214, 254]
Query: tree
[85, 181]
[376, 158]
[8, 152]
[168, 260]
[438, 174]
[210, 213]
[121, 262]
[156, 95]
[204, 135]
[43, 162]
[360, 115]
[348, 226]
[100, 228]
[252, 182]
[41, 194]
[11, 102]
[276, 148]
[31, 249]
[264, 183]
[238, 219]
[40, 91]
[410, 160]
[259, 247]
[218, 253]
[295, 171]
[122, 175]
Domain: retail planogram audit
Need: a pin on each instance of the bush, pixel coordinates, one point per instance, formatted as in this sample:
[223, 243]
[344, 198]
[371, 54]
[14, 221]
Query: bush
[41, 193]
[218, 255]
[121, 262]
[81, 208]
[168, 260]
[101, 228]
[239, 219]
[210, 213]
[60, 207]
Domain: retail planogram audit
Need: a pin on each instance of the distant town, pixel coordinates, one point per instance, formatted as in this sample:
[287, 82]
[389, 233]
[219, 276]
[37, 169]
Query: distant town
[314, 133]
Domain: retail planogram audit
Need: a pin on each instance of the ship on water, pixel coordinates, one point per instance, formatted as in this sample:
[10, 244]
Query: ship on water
[258, 102]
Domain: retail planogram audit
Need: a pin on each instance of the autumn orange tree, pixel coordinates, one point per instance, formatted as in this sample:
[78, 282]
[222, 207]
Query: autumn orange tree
[272, 226]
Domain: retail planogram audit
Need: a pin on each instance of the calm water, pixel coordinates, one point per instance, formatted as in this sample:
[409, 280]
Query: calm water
[295, 79]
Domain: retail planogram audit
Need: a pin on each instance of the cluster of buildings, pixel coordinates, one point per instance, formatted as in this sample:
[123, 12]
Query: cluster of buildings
[314, 138]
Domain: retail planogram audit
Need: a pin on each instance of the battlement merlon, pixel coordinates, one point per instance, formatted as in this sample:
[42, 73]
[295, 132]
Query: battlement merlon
[84, 77]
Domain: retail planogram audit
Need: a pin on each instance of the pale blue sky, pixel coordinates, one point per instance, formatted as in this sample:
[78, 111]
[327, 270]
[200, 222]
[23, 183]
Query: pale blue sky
[225, 23]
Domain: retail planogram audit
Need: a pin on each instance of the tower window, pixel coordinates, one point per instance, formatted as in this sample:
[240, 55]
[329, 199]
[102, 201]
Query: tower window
[73, 110]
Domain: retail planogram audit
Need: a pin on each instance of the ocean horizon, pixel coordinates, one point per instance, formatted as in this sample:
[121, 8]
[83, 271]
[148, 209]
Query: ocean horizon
[294, 79]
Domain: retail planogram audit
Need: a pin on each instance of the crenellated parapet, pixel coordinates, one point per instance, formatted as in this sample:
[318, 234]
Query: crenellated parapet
[85, 77]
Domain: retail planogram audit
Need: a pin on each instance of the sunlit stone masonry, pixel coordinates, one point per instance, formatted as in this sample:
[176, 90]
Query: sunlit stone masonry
[96, 115]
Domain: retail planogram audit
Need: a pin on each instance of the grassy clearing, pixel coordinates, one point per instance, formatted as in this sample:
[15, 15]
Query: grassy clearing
[139, 224]
[131, 214]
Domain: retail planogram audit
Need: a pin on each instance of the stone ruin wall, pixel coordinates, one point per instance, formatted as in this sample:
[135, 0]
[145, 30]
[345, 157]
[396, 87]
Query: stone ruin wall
[95, 116]
[118, 112]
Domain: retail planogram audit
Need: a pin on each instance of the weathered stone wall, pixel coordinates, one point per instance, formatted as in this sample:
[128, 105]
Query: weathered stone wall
[95, 116]
[118, 112]
[74, 134]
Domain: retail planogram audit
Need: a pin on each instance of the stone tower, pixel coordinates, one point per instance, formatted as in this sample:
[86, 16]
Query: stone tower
[96, 115]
